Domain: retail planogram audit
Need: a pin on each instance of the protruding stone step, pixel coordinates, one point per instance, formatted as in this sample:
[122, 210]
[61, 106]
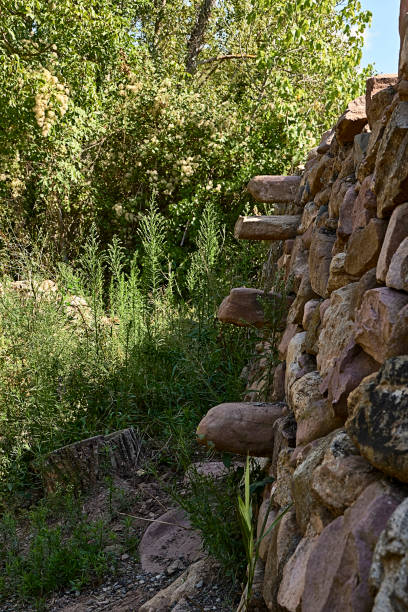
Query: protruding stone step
[241, 428]
[245, 307]
[264, 227]
[274, 189]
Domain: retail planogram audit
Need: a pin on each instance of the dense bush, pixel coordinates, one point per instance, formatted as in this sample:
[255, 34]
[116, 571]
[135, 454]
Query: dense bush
[104, 103]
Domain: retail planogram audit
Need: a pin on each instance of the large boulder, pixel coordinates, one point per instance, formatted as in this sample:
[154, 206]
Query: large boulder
[397, 230]
[389, 570]
[274, 189]
[378, 422]
[380, 91]
[397, 275]
[391, 170]
[241, 428]
[352, 121]
[364, 247]
[338, 568]
[376, 319]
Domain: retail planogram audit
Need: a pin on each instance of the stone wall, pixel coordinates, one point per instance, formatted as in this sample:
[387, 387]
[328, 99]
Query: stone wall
[335, 429]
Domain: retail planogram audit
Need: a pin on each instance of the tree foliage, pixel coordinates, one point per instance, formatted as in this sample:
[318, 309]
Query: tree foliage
[104, 103]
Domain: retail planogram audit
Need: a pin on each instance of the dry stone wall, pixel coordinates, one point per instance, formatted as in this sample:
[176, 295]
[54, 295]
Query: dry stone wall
[335, 429]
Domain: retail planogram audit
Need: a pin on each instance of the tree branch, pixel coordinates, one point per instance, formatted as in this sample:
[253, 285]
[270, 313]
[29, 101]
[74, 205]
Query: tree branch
[221, 58]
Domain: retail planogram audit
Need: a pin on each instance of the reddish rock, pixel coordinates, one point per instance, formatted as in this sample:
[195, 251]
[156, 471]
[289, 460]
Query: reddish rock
[288, 246]
[290, 331]
[284, 430]
[298, 262]
[298, 363]
[304, 294]
[342, 475]
[274, 189]
[319, 260]
[380, 90]
[365, 205]
[338, 277]
[245, 307]
[283, 544]
[364, 247]
[264, 227]
[241, 428]
[325, 142]
[338, 568]
[306, 238]
[367, 281]
[352, 121]
[316, 177]
[398, 344]
[375, 321]
[360, 147]
[391, 170]
[309, 215]
[266, 517]
[314, 414]
[337, 328]
[397, 230]
[279, 382]
[345, 226]
[397, 275]
[322, 197]
[293, 578]
[310, 308]
[338, 193]
[378, 422]
[352, 365]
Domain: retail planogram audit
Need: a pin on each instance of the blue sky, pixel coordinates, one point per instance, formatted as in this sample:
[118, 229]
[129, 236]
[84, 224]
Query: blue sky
[382, 40]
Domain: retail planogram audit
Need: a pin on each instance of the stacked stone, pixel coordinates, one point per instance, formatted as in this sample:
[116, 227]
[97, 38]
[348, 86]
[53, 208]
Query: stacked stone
[337, 443]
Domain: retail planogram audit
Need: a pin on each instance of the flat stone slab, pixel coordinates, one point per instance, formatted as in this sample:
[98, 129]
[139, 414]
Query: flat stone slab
[169, 539]
[274, 189]
[267, 227]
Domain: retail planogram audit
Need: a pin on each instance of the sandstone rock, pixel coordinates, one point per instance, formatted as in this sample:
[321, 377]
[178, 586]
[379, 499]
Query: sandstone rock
[352, 121]
[309, 215]
[293, 578]
[367, 281]
[367, 166]
[312, 333]
[210, 469]
[345, 226]
[177, 594]
[316, 176]
[391, 170]
[337, 328]
[338, 192]
[314, 414]
[352, 365]
[364, 247]
[298, 363]
[309, 309]
[279, 382]
[245, 307]
[380, 91]
[284, 438]
[397, 230]
[288, 246]
[241, 428]
[397, 275]
[347, 170]
[280, 189]
[304, 294]
[365, 205]
[360, 147]
[326, 141]
[281, 488]
[283, 544]
[378, 422]
[342, 475]
[338, 567]
[266, 517]
[170, 539]
[322, 197]
[298, 262]
[264, 227]
[310, 514]
[388, 573]
[338, 277]
[375, 322]
[319, 260]
[291, 330]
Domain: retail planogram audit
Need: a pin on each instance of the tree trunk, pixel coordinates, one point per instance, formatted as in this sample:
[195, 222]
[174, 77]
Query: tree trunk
[86, 462]
[196, 40]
